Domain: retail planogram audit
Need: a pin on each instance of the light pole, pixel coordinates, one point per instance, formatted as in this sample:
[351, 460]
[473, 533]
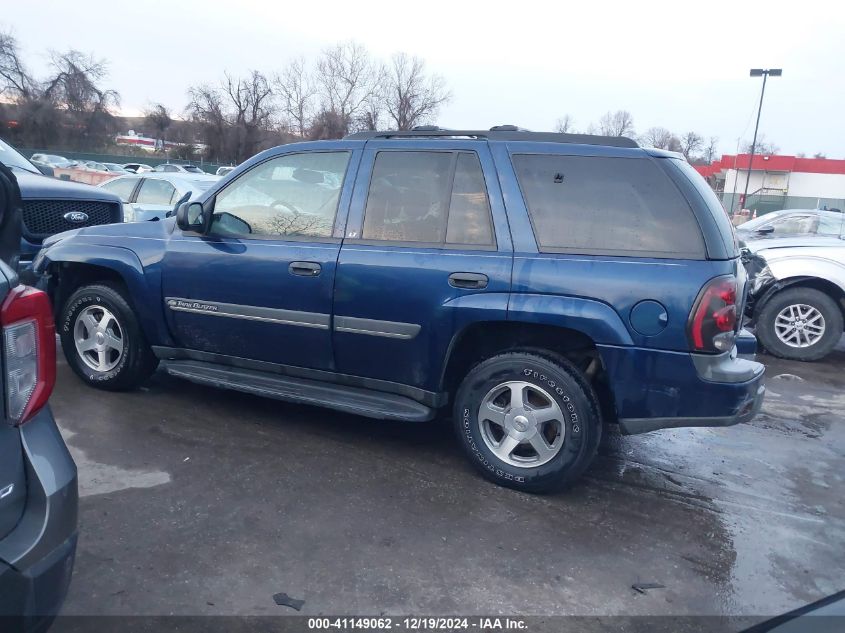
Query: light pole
[757, 72]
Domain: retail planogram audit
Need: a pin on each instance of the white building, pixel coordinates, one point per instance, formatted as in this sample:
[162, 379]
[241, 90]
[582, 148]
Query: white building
[777, 182]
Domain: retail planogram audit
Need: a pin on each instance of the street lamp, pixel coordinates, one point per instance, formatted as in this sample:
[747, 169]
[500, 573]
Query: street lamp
[765, 73]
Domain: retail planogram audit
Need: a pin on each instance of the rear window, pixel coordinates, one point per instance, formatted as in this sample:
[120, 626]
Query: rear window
[597, 205]
[720, 215]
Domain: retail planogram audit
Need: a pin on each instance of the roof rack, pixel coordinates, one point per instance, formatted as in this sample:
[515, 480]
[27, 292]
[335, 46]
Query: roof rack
[498, 133]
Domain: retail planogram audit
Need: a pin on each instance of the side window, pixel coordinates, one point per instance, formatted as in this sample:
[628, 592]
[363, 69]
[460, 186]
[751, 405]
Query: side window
[830, 225]
[155, 191]
[121, 187]
[469, 210]
[609, 206]
[795, 225]
[292, 195]
[428, 197]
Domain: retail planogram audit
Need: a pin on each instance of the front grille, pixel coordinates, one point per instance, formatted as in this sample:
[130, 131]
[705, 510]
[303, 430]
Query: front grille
[46, 217]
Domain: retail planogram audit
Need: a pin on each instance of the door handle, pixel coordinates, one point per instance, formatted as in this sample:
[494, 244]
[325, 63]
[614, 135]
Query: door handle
[305, 269]
[471, 281]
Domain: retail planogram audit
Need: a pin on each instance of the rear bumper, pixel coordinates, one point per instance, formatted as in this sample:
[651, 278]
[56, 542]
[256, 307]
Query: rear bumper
[31, 598]
[36, 558]
[656, 389]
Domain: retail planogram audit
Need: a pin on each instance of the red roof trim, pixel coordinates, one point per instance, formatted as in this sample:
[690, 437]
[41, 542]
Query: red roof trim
[774, 163]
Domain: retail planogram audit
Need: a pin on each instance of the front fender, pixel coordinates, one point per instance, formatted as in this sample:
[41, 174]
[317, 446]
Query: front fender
[787, 268]
[144, 288]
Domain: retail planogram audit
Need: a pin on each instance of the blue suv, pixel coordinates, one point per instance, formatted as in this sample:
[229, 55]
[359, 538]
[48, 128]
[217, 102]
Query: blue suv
[539, 284]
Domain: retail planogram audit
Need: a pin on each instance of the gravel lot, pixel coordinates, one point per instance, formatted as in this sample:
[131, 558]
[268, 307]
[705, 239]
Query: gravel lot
[198, 501]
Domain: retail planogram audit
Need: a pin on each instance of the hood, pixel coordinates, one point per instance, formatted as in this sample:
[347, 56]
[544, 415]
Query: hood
[158, 228]
[794, 242]
[35, 186]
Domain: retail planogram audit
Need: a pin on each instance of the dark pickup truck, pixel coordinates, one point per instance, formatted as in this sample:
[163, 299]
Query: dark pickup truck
[540, 285]
[50, 206]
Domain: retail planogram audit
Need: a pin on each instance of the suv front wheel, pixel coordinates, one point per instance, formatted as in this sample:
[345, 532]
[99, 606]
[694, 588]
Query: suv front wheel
[102, 340]
[528, 421]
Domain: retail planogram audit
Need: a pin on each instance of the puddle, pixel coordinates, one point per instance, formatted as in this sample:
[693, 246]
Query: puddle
[96, 478]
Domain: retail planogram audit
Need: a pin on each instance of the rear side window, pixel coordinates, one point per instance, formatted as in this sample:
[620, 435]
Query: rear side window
[154, 191]
[428, 197]
[606, 206]
[122, 187]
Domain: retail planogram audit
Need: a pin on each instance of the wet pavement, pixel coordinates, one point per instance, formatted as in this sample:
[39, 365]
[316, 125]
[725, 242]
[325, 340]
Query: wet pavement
[198, 501]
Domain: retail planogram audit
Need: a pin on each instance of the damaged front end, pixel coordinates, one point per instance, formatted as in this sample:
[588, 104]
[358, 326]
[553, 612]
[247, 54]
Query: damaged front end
[761, 282]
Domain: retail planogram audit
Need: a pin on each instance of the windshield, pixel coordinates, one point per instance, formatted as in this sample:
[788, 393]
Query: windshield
[10, 157]
[193, 169]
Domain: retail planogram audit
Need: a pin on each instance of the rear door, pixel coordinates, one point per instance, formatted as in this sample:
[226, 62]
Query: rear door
[427, 251]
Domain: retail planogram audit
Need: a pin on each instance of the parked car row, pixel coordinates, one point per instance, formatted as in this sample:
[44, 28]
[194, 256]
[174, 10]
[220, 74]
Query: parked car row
[54, 161]
[153, 195]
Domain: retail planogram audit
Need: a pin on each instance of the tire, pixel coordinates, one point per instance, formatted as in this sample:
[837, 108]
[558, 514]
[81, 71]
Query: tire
[116, 370]
[543, 381]
[775, 316]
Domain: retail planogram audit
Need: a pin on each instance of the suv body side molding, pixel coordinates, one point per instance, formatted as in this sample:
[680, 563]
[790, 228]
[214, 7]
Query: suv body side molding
[374, 327]
[251, 313]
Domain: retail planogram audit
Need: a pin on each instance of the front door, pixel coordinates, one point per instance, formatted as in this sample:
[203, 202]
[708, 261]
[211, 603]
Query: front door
[259, 285]
[427, 252]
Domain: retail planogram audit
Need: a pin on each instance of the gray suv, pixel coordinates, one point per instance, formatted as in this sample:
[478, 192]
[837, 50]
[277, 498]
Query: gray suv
[38, 491]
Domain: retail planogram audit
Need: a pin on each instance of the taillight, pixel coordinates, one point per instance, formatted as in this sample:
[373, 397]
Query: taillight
[29, 352]
[712, 322]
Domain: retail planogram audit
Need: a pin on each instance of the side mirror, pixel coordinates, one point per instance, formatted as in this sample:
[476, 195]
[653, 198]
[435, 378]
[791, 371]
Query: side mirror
[765, 230]
[190, 216]
[46, 170]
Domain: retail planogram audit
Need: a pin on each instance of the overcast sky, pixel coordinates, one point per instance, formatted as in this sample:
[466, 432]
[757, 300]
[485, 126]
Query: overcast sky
[681, 65]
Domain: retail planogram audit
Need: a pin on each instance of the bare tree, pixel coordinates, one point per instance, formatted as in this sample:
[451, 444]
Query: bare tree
[411, 97]
[619, 123]
[297, 92]
[327, 124]
[764, 147]
[661, 138]
[74, 84]
[15, 80]
[206, 109]
[75, 88]
[346, 78]
[157, 117]
[819, 155]
[691, 143]
[565, 124]
[712, 149]
[251, 101]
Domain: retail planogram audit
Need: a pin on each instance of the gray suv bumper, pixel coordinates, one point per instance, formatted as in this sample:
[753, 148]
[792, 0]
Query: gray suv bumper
[36, 558]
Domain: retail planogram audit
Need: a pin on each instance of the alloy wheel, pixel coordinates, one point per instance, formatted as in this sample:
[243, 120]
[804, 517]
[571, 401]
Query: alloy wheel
[521, 424]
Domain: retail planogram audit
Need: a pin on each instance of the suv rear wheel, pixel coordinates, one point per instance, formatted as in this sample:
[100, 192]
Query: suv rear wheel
[800, 324]
[528, 421]
[102, 340]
